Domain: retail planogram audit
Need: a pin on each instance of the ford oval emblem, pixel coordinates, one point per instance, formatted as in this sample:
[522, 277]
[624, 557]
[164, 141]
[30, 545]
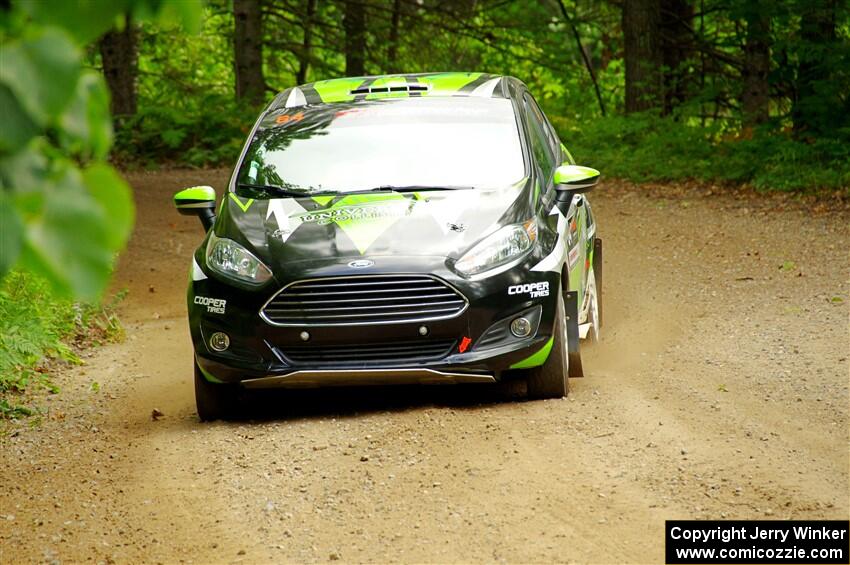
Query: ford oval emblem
[361, 264]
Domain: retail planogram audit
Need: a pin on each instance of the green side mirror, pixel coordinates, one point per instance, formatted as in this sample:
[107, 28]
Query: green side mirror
[197, 201]
[575, 179]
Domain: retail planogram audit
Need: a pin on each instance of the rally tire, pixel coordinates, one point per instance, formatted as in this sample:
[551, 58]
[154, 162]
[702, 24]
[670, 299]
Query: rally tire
[550, 379]
[214, 401]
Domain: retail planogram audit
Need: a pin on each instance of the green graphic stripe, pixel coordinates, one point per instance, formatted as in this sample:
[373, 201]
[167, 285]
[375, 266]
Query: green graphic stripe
[538, 358]
[363, 218]
[450, 82]
[339, 90]
[322, 200]
[209, 377]
[363, 231]
[244, 207]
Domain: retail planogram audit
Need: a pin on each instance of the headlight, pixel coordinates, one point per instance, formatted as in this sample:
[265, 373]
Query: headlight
[499, 248]
[230, 259]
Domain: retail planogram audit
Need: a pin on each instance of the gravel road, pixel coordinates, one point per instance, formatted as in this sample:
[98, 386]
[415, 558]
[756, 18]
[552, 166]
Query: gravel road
[719, 390]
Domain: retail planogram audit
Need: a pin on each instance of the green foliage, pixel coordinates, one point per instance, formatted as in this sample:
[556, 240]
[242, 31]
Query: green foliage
[646, 147]
[36, 326]
[57, 215]
[187, 112]
[65, 212]
[211, 134]
[187, 115]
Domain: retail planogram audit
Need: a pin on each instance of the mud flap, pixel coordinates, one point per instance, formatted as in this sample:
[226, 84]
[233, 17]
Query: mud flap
[571, 313]
[597, 274]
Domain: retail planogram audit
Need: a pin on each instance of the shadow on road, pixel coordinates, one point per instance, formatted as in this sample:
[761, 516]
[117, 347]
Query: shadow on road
[288, 404]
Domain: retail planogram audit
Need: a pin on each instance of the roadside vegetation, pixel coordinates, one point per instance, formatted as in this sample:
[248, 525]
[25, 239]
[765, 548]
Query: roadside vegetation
[40, 332]
[645, 147]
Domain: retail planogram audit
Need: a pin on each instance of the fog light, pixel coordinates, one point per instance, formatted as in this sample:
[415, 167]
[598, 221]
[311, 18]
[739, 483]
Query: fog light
[521, 327]
[219, 341]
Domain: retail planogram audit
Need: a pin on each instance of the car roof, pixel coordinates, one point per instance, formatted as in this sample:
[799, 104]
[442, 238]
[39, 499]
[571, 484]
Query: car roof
[352, 89]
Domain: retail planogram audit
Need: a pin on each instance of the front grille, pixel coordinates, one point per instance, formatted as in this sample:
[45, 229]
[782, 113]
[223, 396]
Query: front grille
[379, 299]
[392, 353]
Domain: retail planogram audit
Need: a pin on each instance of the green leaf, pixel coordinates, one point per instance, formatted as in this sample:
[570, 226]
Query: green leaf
[10, 234]
[18, 127]
[42, 72]
[113, 195]
[86, 121]
[85, 20]
[23, 171]
[186, 12]
[67, 241]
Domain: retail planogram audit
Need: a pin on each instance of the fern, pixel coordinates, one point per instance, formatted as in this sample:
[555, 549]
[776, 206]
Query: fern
[35, 327]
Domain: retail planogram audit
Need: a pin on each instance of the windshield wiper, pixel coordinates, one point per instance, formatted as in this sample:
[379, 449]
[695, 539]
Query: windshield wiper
[414, 188]
[280, 190]
[295, 191]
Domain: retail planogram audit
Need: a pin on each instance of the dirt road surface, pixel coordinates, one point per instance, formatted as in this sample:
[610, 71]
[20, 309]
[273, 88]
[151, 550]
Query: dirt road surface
[719, 390]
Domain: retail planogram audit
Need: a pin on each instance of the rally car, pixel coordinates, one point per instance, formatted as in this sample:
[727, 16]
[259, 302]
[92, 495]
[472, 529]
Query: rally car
[426, 228]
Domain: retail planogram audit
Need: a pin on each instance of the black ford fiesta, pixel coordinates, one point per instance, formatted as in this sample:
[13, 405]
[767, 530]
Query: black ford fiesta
[422, 228]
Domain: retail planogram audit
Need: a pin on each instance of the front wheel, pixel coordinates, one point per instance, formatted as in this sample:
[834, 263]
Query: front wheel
[215, 401]
[550, 380]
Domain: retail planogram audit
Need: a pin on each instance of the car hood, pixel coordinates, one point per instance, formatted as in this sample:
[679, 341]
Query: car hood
[428, 223]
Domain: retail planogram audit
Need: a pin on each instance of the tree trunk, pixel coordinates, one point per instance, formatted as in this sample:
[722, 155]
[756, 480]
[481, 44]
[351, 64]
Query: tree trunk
[392, 49]
[755, 98]
[119, 54]
[354, 23]
[584, 56]
[676, 22]
[307, 45]
[642, 53]
[817, 34]
[248, 50]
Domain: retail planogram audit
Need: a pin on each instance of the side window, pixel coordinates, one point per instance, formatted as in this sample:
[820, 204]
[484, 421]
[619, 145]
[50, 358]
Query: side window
[540, 140]
[551, 136]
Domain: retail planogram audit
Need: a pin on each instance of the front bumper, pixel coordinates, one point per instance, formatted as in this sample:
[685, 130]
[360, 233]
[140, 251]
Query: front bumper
[257, 356]
[307, 378]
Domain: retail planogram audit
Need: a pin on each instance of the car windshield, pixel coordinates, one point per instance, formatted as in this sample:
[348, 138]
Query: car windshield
[384, 144]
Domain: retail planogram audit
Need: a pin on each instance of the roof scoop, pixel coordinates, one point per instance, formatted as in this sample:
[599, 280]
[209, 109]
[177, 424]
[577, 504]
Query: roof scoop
[391, 88]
